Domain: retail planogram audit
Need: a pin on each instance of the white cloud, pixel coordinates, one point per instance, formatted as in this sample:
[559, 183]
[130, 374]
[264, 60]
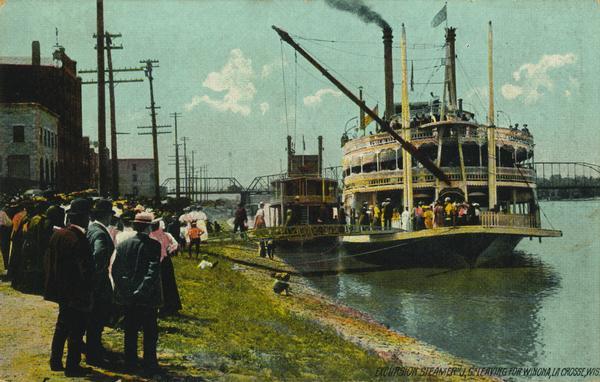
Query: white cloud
[267, 69]
[315, 99]
[235, 78]
[264, 107]
[531, 79]
[510, 91]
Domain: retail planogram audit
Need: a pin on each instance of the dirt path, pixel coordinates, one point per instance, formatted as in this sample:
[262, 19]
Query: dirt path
[25, 326]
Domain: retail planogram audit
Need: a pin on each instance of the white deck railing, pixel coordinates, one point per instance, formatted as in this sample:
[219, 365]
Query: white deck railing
[499, 219]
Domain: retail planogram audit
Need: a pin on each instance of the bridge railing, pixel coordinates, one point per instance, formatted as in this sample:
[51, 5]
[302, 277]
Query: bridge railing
[499, 219]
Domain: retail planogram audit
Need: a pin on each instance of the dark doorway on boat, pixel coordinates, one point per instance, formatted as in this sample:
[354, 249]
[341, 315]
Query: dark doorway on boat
[394, 195]
[455, 194]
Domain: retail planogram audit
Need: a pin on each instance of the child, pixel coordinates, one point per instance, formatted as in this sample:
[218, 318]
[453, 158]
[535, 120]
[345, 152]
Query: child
[194, 234]
[270, 249]
[281, 283]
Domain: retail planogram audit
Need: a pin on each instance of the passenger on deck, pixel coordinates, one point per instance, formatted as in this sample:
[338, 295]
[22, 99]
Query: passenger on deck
[396, 219]
[428, 217]
[471, 214]
[376, 221]
[406, 226]
[438, 212]
[449, 212]
[363, 217]
[342, 215]
[418, 212]
[476, 221]
[387, 213]
[462, 214]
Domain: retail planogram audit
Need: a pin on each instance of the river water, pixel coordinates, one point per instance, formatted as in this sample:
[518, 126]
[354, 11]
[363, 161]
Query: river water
[537, 307]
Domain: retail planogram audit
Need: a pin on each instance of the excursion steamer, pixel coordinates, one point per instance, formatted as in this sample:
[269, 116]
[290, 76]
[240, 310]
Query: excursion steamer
[436, 150]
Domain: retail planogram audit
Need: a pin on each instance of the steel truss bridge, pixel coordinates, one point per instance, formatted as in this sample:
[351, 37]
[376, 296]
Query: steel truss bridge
[260, 185]
[549, 176]
[567, 175]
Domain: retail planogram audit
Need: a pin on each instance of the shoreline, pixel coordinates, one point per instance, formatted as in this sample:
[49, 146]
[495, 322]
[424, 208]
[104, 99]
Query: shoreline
[233, 326]
[349, 323]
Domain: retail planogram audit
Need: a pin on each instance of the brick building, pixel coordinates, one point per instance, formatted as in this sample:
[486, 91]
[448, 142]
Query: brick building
[56, 87]
[28, 147]
[136, 177]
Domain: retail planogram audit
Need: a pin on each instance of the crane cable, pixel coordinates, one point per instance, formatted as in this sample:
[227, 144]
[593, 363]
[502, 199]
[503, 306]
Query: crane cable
[287, 127]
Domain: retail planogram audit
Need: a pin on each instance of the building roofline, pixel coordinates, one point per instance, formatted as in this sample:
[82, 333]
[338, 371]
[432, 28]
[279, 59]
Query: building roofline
[24, 104]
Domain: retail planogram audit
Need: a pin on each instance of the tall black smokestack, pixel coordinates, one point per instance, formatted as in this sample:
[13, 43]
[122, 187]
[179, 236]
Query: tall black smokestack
[367, 15]
[388, 71]
[35, 53]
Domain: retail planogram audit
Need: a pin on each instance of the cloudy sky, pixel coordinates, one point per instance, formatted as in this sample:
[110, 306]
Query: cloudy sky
[221, 67]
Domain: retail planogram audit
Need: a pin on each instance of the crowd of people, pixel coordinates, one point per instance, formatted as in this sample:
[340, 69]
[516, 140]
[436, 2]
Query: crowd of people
[100, 261]
[383, 216]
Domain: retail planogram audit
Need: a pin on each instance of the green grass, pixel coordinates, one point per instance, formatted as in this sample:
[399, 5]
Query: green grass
[230, 327]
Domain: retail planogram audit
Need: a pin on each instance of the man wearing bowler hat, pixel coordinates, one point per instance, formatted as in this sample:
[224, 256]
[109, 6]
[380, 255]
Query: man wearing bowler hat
[69, 275]
[138, 288]
[102, 249]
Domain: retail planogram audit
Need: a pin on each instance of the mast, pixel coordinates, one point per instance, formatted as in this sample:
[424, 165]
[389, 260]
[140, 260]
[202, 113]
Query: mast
[451, 66]
[423, 159]
[361, 114]
[491, 131]
[406, 157]
[490, 76]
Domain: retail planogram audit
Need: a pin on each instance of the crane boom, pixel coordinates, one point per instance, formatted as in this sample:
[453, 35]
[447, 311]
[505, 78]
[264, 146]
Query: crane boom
[425, 161]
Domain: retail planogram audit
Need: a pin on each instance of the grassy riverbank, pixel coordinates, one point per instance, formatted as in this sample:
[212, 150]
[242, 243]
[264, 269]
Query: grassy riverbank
[232, 327]
[228, 328]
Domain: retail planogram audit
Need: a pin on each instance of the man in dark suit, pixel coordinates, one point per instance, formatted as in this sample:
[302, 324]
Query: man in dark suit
[69, 274]
[102, 249]
[138, 288]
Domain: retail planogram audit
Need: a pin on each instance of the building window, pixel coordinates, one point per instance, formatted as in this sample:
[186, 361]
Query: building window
[135, 177]
[18, 166]
[18, 133]
[134, 167]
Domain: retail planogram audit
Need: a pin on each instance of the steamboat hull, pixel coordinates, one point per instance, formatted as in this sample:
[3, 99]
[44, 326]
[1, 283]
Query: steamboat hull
[440, 246]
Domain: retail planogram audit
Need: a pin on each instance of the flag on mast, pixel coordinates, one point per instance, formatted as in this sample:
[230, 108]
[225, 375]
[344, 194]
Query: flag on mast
[368, 118]
[439, 18]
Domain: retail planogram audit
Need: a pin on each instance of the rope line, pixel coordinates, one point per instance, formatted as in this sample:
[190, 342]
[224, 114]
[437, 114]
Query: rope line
[536, 202]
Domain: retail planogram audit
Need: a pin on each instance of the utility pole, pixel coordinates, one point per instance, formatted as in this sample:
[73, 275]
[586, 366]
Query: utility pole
[113, 122]
[177, 176]
[148, 71]
[185, 167]
[111, 93]
[102, 181]
[193, 172]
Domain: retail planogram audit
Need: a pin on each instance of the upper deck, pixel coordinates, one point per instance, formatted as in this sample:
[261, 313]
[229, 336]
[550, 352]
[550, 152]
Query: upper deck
[430, 134]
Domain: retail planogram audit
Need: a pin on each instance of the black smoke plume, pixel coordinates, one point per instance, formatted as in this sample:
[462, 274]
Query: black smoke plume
[359, 8]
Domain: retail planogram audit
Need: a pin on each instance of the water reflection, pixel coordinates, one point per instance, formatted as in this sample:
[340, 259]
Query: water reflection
[485, 314]
[520, 309]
